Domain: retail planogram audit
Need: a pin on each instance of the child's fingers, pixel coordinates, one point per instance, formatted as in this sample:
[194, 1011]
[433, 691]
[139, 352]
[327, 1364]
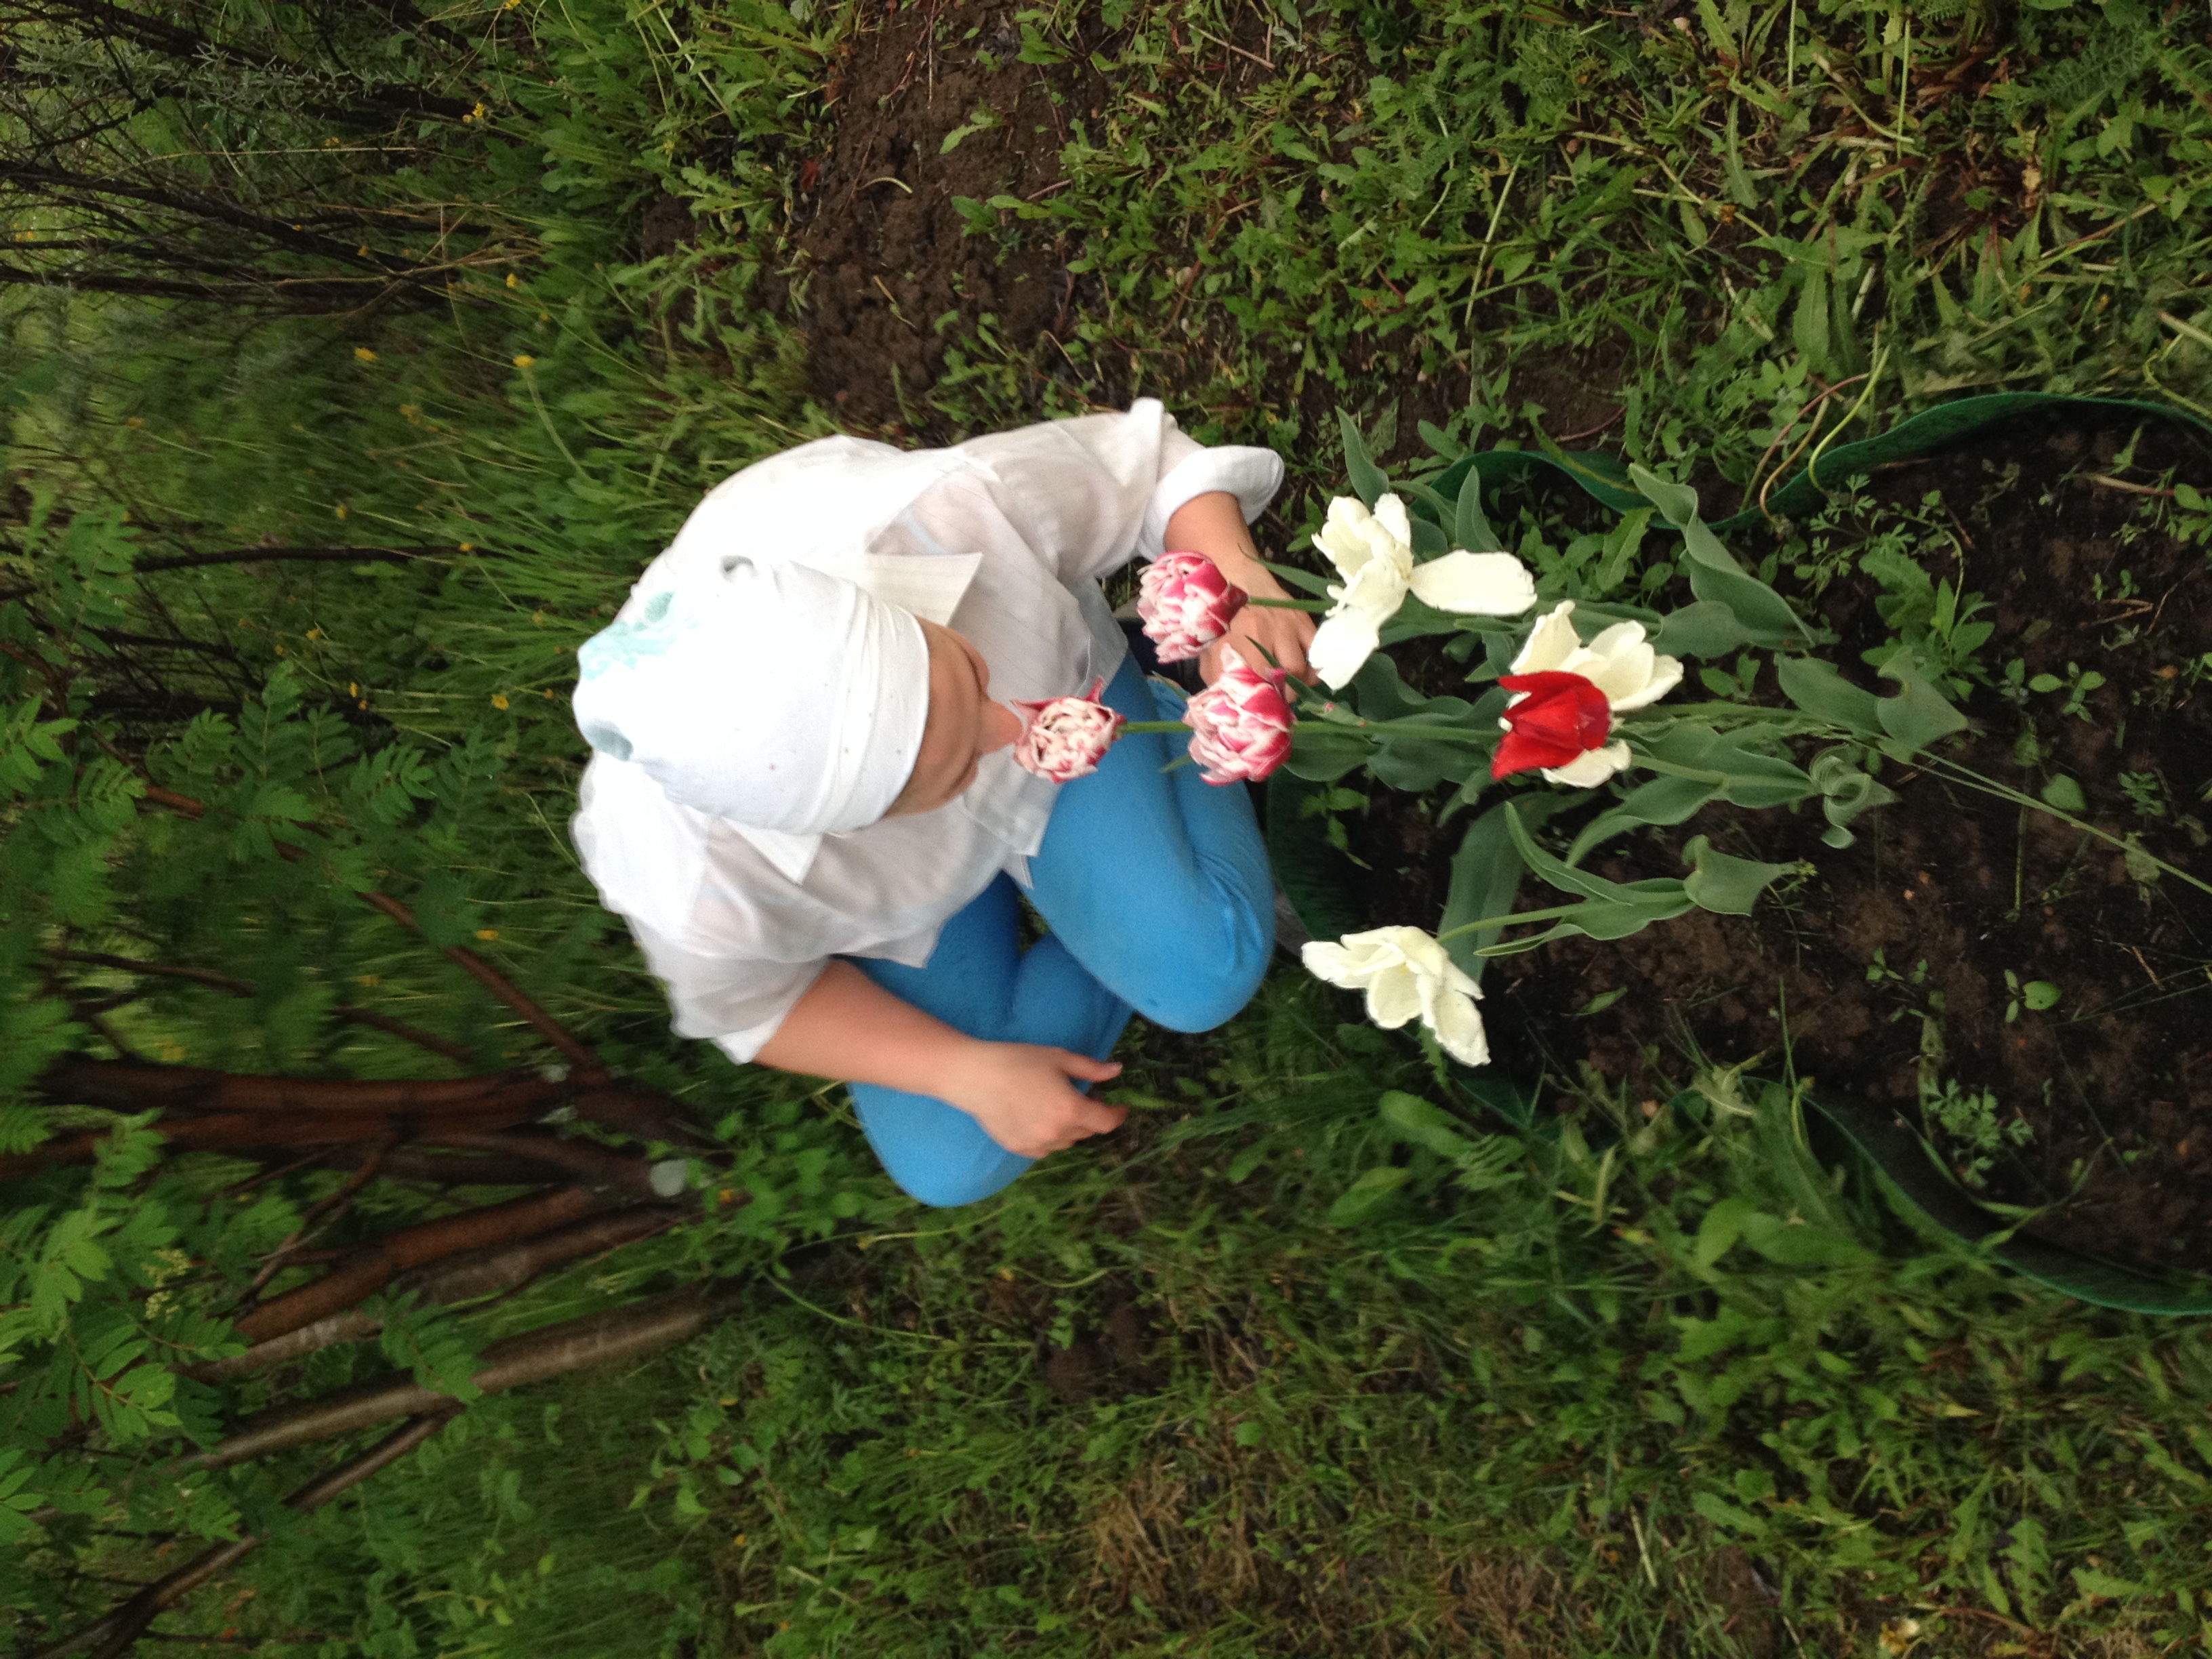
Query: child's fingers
[1089, 1069]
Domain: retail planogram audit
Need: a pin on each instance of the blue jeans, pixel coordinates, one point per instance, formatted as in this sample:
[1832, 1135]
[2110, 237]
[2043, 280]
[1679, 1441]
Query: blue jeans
[1156, 887]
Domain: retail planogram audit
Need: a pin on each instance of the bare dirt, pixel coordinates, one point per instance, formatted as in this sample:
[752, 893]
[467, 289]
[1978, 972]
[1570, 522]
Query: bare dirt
[1883, 972]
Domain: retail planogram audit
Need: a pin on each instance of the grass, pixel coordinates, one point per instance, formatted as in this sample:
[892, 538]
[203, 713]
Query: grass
[1219, 1387]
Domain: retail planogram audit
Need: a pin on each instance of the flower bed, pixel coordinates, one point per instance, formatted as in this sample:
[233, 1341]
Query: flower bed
[2018, 966]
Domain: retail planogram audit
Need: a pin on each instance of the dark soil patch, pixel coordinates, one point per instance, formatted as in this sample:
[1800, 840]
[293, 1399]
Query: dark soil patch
[1883, 973]
[887, 278]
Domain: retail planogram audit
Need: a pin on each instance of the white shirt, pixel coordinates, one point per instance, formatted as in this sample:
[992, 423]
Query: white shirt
[1003, 540]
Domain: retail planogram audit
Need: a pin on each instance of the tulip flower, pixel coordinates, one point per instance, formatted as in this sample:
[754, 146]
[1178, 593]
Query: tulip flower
[1186, 604]
[1407, 973]
[1064, 738]
[1241, 724]
[1374, 554]
[1562, 728]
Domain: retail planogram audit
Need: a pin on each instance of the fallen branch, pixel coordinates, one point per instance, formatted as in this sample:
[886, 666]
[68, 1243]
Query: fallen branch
[553, 1350]
[472, 1276]
[375, 1265]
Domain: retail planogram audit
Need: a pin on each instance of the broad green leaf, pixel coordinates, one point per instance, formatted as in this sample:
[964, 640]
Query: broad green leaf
[2064, 793]
[1411, 1118]
[1704, 628]
[1368, 480]
[1662, 801]
[1815, 687]
[1724, 884]
[1677, 503]
[1470, 524]
[1918, 716]
[1362, 1197]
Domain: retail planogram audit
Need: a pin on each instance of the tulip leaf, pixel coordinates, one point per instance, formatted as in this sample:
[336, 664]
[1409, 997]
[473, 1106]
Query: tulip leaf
[1745, 775]
[1663, 800]
[1414, 762]
[1485, 876]
[1322, 752]
[1470, 524]
[1429, 541]
[1917, 715]
[1815, 687]
[1613, 909]
[1765, 615]
[1705, 628]
[1368, 482]
[1305, 580]
[1724, 884]
[1677, 503]
[1846, 791]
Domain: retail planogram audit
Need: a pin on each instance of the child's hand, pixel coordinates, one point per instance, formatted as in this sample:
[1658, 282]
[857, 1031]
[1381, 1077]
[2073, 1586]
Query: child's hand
[1022, 1094]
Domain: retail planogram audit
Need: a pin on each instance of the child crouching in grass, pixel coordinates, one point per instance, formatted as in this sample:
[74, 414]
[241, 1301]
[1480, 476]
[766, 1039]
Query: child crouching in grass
[802, 798]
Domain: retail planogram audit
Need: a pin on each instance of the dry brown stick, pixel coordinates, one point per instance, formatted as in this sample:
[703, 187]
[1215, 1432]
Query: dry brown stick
[510, 1362]
[472, 1276]
[117, 1633]
[237, 1129]
[287, 1254]
[593, 1164]
[129, 1086]
[582, 1058]
[378, 1263]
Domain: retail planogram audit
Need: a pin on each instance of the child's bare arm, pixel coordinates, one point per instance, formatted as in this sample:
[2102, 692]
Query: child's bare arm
[849, 1028]
[1213, 524]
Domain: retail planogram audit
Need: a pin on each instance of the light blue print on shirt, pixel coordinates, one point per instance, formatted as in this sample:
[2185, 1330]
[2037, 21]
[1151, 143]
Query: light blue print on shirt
[627, 644]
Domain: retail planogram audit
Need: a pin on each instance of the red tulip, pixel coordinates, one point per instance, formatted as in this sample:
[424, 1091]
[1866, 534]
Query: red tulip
[1064, 738]
[1186, 604]
[1558, 719]
[1241, 724]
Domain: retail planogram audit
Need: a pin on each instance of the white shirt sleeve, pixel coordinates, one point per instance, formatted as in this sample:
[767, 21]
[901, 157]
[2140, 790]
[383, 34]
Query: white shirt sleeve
[737, 1001]
[1090, 494]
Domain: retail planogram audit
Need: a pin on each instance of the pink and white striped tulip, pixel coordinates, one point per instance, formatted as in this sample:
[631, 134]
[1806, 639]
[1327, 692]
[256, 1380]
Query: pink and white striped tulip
[1186, 604]
[1064, 738]
[1240, 724]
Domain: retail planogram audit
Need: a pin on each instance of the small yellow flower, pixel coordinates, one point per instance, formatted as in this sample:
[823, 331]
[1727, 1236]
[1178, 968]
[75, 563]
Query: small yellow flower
[499, 700]
[537, 619]
[362, 704]
[513, 281]
[547, 694]
[363, 354]
[411, 411]
[333, 143]
[280, 650]
[362, 252]
[314, 633]
[468, 547]
[134, 423]
[370, 980]
[487, 933]
[339, 509]
[171, 1053]
[525, 362]
[727, 1195]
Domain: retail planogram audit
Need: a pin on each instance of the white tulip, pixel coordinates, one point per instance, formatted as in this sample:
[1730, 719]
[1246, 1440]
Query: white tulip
[1374, 554]
[1406, 975]
[1619, 662]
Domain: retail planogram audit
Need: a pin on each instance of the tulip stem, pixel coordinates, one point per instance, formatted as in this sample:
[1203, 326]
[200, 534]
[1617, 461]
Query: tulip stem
[1554, 914]
[1317, 606]
[1155, 726]
[1669, 769]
